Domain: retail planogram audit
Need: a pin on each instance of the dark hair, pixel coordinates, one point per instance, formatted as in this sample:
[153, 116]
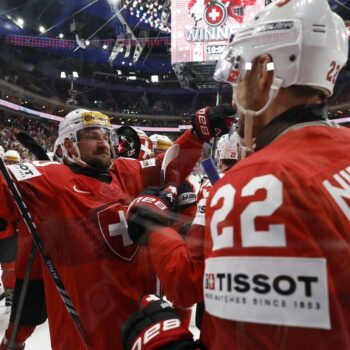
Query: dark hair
[308, 91]
[229, 162]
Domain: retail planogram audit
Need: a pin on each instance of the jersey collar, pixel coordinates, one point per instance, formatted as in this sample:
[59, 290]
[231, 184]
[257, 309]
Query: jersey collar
[102, 176]
[303, 114]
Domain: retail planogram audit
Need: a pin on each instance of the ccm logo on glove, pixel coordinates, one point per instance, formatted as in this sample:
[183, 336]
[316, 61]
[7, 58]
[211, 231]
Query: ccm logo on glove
[154, 331]
[203, 121]
[151, 200]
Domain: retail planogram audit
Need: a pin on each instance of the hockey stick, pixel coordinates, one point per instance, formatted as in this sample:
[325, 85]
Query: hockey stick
[22, 295]
[218, 103]
[211, 171]
[40, 246]
[171, 153]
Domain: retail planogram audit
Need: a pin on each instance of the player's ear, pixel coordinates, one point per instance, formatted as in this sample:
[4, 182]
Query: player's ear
[265, 69]
[68, 145]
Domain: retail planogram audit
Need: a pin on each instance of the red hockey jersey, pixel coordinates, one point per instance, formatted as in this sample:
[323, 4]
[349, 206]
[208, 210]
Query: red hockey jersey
[82, 222]
[277, 270]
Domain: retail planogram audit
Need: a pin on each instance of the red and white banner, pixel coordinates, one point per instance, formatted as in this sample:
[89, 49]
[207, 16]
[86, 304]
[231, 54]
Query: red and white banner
[202, 28]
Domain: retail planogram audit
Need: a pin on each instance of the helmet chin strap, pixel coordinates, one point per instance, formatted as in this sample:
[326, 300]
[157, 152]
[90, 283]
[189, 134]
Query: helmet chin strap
[75, 159]
[250, 114]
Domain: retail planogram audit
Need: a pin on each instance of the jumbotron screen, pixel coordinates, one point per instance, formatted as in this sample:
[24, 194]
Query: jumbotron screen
[202, 28]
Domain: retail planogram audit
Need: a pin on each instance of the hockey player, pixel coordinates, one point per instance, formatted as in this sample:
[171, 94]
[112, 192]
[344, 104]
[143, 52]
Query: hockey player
[160, 143]
[8, 243]
[278, 260]
[279, 224]
[12, 157]
[79, 210]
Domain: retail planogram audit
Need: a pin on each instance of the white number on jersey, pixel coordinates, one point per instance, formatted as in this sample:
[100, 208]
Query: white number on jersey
[275, 236]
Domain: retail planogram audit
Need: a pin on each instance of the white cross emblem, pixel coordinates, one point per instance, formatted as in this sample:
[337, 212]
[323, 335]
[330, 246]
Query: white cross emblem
[214, 14]
[120, 229]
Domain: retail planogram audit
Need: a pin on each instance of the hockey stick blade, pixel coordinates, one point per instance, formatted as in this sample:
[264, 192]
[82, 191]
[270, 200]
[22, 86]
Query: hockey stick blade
[41, 248]
[171, 153]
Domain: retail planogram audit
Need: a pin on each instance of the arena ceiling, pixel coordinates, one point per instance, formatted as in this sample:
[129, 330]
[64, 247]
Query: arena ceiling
[93, 27]
[68, 26]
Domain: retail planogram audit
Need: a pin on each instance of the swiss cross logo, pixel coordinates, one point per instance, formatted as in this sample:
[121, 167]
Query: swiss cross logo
[114, 229]
[120, 148]
[233, 75]
[215, 14]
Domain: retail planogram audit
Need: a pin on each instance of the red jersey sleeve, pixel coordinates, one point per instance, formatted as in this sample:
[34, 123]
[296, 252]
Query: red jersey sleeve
[181, 275]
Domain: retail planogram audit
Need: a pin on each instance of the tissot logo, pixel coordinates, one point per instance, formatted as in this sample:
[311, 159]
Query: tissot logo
[266, 289]
[283, 285]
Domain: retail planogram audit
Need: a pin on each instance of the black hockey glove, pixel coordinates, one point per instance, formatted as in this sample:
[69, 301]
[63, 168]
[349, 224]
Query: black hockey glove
[154, 207]
[156, 326]
[211, 122]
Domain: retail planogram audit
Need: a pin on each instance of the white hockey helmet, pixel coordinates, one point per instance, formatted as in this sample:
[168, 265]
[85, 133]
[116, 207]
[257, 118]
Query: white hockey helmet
[307, 41]
[79, 119]
[227, 147]
[2, 152]
[12, 156]
[160, 143]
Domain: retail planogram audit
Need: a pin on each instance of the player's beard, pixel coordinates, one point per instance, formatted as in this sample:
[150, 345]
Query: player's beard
[99, 162]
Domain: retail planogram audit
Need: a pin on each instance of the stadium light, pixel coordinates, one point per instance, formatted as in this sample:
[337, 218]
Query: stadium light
[154, 78]
[71, 92]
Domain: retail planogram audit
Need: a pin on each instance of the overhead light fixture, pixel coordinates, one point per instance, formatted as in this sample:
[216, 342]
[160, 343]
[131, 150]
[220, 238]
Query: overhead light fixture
[154, 78]
[87, 42]
[104, 46]
[61, 35]
[71, 92]
[41, 29]
[20, 22]
[131, 77]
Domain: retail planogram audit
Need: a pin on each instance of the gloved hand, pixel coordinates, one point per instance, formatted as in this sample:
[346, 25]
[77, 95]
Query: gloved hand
[211, 122]
[154, 207]
[16, 346]
[156, 326]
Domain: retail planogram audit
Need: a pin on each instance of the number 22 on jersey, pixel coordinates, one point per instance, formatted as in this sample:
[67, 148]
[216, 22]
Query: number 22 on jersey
[274, 236]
